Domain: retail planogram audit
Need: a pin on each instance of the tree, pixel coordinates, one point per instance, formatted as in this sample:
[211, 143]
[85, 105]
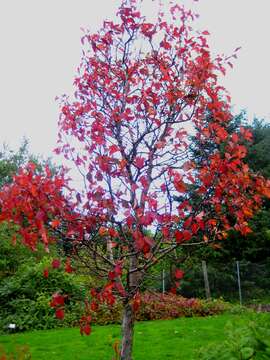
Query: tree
[11, 161]
[141, 87]
[258, 156]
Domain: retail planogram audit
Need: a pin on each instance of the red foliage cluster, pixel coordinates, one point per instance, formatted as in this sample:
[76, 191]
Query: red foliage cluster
[132, 108]
[85, 328]
[33, 201]
[58, 302]
[37, 203]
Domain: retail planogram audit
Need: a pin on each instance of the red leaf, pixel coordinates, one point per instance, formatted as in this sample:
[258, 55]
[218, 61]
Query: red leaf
[178, 236]
[147, 29]
[56, 263]
[118, 269]
[166, 45]
[34, 190]
[119, 287]
[179, 274]
[187, 235]
[113, 149]
[112, 275]
[165, 231]
[46, 273]
[136, 302]
[212, 222]
[93, 292]
[143, 180]
[57, 300]
[68, 267]
[180, 186]
[163, 188]
[122, 164]
[87, 329]
[94, 306]
[113, 233]
[60, 314]
[173, 290]
[139, 162]
[195, 228]
[55, 223]
[235, 138]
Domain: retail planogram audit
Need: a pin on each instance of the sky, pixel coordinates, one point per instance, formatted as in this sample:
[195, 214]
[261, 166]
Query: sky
[40, 50]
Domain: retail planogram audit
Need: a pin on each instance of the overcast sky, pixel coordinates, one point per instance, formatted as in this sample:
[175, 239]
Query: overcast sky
[40, 50]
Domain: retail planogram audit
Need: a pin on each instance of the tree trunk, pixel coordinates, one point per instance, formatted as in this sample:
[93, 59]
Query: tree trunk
[206, 281]
[127, 332]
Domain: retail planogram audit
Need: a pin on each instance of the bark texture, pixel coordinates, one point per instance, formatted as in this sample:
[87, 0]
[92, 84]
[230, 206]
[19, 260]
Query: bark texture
[127, 332]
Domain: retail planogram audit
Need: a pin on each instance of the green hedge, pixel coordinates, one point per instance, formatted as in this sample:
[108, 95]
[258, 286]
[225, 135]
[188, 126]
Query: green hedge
[25, 298]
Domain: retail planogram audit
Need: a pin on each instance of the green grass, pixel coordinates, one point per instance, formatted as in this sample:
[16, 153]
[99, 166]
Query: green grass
[154, 340]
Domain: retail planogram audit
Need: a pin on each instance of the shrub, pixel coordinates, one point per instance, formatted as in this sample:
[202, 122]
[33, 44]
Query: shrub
[249, 341]
[155, 306]
[168, 306]
[11, 256]
[25, 298]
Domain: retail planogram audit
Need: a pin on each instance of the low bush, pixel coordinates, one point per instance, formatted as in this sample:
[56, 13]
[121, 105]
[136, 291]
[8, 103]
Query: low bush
[168, 306]
[156, 306]
[25, 298]
[244, 341]
[25, 301]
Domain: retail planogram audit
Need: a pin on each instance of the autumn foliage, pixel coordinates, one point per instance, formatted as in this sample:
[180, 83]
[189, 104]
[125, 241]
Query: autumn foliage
[141, 89]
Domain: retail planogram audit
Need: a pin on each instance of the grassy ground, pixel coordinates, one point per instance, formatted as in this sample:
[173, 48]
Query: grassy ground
[154, 340]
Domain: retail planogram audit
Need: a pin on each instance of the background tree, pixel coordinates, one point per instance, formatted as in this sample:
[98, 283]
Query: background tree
[258, 156]
[141, 87]
[252, 250]
[11, 161]
[240, 247]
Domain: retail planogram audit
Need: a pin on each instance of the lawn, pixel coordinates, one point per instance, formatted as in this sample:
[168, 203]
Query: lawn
[154, 340]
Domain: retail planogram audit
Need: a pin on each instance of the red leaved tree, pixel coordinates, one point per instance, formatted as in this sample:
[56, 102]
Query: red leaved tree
[141, 89]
